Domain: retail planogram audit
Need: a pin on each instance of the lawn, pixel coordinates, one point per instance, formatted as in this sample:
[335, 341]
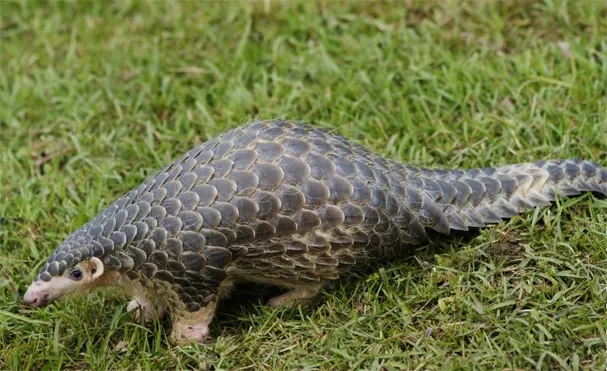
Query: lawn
[94, 96]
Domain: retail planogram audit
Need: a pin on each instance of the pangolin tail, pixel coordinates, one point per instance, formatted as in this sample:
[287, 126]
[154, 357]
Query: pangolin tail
[476, 197]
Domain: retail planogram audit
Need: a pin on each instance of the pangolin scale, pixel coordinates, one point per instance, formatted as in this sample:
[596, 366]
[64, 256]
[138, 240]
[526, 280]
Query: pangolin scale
[289, 204]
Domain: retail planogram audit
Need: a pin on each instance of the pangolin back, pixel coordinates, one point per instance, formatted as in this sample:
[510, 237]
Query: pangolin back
[288, 203]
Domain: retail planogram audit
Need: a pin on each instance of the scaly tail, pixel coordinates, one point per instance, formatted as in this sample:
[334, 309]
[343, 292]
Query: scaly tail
[477, 197]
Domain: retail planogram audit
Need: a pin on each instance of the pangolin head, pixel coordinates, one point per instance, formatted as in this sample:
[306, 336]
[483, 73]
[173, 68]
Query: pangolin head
[81, 260]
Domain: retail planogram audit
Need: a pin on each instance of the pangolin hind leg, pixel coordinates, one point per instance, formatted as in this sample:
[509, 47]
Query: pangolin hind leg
[298, 296]
[193, 326]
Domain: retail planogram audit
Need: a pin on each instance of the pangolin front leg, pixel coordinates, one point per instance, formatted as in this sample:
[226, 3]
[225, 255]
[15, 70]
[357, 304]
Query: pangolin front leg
[150, 309]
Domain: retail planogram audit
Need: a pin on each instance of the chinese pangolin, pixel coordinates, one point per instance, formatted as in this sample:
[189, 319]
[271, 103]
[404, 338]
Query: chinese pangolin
[287, 204]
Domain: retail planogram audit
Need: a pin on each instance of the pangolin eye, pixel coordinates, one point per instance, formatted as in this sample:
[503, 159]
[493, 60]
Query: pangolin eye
[76, 274]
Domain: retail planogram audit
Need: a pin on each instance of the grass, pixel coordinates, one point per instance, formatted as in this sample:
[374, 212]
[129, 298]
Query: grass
[95, 96]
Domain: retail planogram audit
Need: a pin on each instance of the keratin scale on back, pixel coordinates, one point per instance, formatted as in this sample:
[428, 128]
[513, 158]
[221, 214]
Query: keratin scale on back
[287, 204]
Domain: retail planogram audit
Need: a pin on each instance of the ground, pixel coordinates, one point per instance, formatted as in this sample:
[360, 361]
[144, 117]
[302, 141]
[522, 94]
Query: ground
[95, 96]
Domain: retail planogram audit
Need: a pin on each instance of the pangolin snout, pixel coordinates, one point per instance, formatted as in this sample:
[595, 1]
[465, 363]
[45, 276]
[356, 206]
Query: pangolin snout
[36, 298]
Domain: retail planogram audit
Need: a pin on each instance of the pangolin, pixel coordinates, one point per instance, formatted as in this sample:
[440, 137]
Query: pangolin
[287, 204]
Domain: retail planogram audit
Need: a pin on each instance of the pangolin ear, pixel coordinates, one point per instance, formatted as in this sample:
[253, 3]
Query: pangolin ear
[96, 268]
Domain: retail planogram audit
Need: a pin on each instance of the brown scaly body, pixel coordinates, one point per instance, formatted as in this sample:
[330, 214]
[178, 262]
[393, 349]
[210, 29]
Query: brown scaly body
[292, 205]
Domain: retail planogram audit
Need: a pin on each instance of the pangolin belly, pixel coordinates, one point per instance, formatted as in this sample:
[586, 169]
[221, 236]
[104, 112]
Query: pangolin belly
[289, 203]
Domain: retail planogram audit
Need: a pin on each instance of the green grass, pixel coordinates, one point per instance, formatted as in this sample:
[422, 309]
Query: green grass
[95, 96]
